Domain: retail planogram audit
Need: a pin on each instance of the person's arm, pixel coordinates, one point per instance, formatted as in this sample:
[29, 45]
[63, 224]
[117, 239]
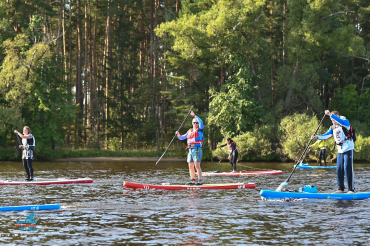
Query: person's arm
[327, 135]
[340, 121]
[201, 125]
[182, 137]
[21, 135]
[221, 146]
[317, 142]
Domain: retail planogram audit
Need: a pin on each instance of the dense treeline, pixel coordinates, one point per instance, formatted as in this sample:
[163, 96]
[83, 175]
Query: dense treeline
[121, 74]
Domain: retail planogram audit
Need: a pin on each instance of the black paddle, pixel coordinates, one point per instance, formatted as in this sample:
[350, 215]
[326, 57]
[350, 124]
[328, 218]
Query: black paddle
[16, 135]
[175, 135]
[286, 182]
[229, 160]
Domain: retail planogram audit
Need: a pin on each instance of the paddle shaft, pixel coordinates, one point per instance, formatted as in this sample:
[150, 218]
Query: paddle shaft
[227, 157]
[19, 143]
[304, 152]
[175, 135]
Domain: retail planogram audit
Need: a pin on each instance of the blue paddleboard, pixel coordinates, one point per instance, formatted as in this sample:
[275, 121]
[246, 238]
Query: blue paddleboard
[31, 207]
[306, 166]
[268, 194]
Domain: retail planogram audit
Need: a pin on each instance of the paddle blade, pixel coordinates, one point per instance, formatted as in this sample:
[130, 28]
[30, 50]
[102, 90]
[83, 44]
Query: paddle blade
[281, 186]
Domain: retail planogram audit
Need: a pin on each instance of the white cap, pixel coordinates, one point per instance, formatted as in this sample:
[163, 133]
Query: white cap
[195, 120]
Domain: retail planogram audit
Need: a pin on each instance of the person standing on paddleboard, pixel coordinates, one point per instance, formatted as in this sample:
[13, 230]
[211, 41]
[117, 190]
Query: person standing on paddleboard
[321, 145]
[28, 146]
[233, 149]
[345, 148]
[194, 138]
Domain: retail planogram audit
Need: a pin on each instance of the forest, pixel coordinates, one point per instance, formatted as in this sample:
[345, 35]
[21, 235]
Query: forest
[121, 75]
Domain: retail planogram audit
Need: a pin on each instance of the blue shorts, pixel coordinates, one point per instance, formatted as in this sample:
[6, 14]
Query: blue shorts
[195, 154]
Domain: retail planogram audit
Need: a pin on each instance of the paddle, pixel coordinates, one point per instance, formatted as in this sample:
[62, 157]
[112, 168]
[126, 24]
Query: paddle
[286, 182]
[17, 139]
[175, 135]
[228, 157]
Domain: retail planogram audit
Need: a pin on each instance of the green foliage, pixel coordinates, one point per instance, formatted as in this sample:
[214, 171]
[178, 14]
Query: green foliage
[114, 144]
[346, 102]
[234, 109]
[362, 147]
[48, 106]
[255, 145]
[10, 120]
[295, 134]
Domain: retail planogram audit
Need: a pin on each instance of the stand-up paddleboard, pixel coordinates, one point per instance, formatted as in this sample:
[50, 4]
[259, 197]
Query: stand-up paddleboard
[31, 207]
[268, 194]
[190, 187]
[47, 181]
[306, 166]
[242, 173]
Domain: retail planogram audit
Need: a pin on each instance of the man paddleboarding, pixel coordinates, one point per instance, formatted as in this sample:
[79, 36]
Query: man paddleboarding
[339, 130]
[194, 138]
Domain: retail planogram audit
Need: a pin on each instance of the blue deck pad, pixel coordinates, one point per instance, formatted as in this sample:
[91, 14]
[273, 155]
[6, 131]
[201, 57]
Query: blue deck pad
[268, 194]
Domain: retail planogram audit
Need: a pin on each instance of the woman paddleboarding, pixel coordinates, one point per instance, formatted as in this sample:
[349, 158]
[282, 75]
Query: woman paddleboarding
[194, 138]
[233, 149]
[27, 146]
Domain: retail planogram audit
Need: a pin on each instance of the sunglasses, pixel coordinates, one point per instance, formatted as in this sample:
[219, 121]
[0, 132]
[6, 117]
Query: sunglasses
[195, 122]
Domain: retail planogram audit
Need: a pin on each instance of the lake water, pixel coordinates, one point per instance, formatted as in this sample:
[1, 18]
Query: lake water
[106, 213]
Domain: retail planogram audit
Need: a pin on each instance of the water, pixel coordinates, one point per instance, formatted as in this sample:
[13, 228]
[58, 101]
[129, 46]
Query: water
[106, 213]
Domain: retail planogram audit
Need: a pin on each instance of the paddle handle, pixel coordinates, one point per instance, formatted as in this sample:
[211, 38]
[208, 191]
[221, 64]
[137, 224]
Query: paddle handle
[175, 135]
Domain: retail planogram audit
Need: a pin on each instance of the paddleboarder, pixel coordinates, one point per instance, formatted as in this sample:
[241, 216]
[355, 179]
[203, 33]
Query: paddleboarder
[233, 149]
[28, 146]
[345, 148]
[194, 138]
[321, 145]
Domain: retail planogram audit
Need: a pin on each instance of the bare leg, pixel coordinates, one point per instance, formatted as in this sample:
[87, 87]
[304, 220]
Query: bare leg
[191, 170]
[199, 170]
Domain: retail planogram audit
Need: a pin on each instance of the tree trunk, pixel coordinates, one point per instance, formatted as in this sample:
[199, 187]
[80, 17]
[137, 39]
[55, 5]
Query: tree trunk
[107, 73]
[290, 91]
[79, 89]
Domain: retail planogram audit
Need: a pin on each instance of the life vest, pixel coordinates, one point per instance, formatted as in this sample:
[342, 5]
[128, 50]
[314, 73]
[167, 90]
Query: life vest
[229, 147]
[194, 138]
[29, 143]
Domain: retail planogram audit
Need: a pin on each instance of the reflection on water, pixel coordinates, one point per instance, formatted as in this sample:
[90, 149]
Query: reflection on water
[105, 213]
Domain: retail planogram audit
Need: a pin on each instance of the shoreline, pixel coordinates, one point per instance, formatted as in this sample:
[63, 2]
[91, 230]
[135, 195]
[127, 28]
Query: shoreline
[149, 159]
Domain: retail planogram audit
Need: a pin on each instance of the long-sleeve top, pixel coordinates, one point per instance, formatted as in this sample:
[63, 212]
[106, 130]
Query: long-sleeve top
[346, 144]
[232, 148]
[320, 143]
[200, 132]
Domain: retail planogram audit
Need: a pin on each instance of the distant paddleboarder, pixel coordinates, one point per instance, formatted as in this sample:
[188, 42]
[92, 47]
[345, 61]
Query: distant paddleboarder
[233, 149]
[343, 135]
[28, 146]
[321, 145]
[194, 138]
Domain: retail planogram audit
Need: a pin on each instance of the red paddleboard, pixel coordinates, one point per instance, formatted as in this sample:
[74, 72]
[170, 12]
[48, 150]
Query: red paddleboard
[243, 173]
[47, 181]
[190, 187]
